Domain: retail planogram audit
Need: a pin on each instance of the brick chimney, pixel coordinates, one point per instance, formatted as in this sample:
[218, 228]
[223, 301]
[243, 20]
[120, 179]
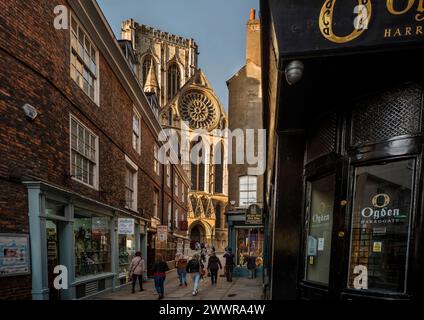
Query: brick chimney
[253, 39]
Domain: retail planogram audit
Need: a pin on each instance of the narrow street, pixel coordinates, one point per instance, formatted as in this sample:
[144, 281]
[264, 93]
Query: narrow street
[239, 289]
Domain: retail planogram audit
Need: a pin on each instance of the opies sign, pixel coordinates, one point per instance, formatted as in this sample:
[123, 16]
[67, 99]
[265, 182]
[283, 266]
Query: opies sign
[381, 211]
[309, 26]
[254, 215]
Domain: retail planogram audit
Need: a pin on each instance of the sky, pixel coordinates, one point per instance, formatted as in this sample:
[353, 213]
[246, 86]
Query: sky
[218, 27]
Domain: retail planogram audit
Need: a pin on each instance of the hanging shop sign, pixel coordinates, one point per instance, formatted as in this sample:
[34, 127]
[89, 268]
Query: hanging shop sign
[254, 215]
[382, 211]
[162, 233]
[305, 26]
[126, 226]
[14, 255]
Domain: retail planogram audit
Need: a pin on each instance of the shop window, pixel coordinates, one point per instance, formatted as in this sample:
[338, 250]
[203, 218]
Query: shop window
[84, 69]
[381, 226]
[320, 222]
[92, 244]
[84, 154]
[247, 190]
[249, 243]
[126, 252]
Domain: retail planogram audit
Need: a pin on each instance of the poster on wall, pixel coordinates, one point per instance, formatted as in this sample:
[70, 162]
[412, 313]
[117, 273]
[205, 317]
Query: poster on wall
[14, 255]
[162, 234]
[126, 226]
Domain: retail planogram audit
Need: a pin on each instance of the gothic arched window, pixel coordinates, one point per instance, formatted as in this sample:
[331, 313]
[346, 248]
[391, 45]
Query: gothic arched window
[219, 167]
[147, 63]
[197, 165]
[173, 80]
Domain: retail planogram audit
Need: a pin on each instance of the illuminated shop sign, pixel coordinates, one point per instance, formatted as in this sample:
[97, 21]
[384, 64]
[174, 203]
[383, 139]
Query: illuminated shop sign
[310, 26]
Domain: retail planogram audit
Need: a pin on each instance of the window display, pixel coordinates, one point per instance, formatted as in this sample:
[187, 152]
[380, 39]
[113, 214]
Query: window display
[92, 244]
[126, 252]
[249, 242]
[380, 226]
[320, 221]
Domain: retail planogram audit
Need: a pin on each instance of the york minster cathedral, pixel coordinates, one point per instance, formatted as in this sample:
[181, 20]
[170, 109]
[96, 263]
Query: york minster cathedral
[168, 69]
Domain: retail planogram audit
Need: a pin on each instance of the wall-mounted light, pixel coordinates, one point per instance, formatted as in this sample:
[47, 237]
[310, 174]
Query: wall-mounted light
[232, 202]
[294, 71]
[30, 111]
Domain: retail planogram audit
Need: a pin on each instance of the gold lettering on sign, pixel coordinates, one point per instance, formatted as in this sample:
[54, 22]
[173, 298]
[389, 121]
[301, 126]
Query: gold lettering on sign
[364, 11]
[392, 10]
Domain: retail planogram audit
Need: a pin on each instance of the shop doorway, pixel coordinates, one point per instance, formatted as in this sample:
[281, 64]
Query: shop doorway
[151, 252]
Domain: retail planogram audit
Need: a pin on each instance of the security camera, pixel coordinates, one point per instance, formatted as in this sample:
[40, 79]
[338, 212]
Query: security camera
[30, 112]
[294, 72]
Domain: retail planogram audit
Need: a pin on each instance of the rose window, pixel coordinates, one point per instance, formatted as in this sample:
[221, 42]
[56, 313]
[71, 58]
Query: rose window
[198, 110]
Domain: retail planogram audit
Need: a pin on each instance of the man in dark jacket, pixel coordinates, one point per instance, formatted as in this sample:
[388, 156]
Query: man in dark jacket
[251, 266]
[213, 265]
[229, 264]
[195, 268]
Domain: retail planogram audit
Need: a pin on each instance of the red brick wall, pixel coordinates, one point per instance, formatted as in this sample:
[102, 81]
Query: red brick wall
[35, 69]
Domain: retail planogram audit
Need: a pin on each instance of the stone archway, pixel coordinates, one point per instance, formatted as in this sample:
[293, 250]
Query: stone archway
[198, 233]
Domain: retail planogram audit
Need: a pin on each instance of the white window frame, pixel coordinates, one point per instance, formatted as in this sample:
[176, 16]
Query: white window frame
[176, 185]
[156, 204]
[169, 215]
[156, 168]
[176, 218]
[132, 167]
[183, 192]
[168, 175]
[136, 136]
[95, 184]
[247, 191]
[96, 79]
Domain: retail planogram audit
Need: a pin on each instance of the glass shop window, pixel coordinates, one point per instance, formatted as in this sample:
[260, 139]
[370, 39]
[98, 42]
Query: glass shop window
[126, 252]
[92, 244]
[380, 226]
[249, 243]
[320, 225]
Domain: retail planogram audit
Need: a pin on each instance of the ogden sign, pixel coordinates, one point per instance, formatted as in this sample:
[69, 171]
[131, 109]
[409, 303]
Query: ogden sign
[314, 26]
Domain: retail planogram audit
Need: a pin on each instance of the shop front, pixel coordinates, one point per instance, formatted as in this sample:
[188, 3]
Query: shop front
[82, 238]
[346, 198]
[246, 239]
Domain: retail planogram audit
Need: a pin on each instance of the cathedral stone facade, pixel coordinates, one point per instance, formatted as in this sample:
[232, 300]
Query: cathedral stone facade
[168, 68]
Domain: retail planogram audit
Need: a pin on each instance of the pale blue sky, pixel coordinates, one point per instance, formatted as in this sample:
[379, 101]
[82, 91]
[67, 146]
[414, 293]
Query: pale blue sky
[218, 27]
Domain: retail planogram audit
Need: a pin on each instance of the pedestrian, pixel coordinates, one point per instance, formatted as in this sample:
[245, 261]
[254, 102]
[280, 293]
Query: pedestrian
[181, 269]
[251, 266]
[136, 271]
[213, 265]
[195, 269]
[203, 253]
[229, 264]
[159, 273]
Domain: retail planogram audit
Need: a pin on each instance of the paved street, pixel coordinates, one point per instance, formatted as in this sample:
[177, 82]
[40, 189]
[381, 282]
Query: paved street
[239, 289]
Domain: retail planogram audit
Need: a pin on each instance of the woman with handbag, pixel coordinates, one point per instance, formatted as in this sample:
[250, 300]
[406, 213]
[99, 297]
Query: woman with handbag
[136, 271]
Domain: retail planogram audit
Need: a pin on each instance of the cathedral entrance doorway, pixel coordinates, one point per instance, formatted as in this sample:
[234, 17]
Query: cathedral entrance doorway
[198, 233]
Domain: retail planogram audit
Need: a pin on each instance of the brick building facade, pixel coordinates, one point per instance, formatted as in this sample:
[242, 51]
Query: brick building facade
[87, 158]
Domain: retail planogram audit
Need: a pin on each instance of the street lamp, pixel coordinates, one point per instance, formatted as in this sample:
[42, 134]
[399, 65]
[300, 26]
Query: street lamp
[294, 72]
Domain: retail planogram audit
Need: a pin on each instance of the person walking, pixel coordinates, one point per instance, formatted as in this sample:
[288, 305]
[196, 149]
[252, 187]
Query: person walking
[251, 266]
[229, 264]
[195, 269]
[136, 271]
[181, 269]
[213, 265]
[159, 273]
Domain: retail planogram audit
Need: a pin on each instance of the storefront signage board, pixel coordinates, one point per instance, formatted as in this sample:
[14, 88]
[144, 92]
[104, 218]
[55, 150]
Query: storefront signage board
[126, 226]
[253, 215]
[306, 27]
[14, 255]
